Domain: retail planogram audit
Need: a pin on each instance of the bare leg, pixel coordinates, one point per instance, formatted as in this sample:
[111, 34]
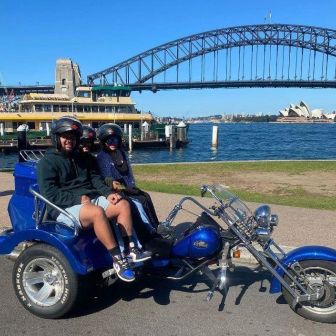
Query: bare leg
[122, 212]
[94, 216]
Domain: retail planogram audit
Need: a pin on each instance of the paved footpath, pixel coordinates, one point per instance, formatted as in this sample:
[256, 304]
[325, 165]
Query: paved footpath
[297, 226]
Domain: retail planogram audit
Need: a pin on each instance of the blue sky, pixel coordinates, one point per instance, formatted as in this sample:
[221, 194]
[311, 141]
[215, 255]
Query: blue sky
[98, 34]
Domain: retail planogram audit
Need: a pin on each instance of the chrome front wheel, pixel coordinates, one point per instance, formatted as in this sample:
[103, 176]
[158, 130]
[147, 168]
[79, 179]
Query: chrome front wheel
[319, 275]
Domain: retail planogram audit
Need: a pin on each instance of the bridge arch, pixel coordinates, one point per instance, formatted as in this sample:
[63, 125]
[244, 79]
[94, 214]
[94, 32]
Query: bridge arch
[140, 71]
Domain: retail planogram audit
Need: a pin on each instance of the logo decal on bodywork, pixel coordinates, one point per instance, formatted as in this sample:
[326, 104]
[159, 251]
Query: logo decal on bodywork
[200, 244]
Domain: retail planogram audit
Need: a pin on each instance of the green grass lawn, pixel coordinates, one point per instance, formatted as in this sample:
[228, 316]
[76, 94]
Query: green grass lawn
[171, 178]
[182, 179]
[261, 166]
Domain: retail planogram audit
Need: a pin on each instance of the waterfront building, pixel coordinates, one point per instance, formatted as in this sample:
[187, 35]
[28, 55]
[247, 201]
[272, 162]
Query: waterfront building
[92, 105]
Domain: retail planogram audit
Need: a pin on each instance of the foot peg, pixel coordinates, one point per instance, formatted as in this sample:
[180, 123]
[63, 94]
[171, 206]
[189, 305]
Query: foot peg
[165, 231]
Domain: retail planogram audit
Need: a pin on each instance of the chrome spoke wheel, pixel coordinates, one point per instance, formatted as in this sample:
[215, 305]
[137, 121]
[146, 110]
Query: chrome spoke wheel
[323, 279]
[316, 276]
[43, 282]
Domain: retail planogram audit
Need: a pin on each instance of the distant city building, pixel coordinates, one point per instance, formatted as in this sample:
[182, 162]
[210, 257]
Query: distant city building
[302, 113]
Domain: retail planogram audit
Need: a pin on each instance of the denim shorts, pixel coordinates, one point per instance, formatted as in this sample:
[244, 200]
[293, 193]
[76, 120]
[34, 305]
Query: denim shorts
[74, 210]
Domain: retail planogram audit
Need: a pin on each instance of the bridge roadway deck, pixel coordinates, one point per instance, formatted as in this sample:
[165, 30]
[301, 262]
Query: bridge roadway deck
[297, 226]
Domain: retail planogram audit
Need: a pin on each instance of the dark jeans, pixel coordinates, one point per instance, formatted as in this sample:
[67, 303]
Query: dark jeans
[146, 202]
[151, 241]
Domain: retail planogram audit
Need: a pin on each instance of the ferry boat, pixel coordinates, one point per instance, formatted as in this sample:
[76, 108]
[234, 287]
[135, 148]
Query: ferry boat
[92, 105]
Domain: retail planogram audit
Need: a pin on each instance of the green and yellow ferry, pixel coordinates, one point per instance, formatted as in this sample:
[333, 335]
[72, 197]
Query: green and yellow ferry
[92, 105]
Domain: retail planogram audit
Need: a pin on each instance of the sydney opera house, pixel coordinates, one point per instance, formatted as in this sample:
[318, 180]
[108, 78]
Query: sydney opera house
[302, 113]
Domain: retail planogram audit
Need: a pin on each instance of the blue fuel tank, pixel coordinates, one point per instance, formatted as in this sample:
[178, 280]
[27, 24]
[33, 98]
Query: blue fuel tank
[201, 241]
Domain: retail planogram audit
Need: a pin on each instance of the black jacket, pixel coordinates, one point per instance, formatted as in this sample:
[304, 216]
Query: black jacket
[64, 179]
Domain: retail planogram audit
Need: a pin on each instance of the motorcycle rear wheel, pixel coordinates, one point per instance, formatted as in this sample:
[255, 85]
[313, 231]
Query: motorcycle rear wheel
[44, 281]
[319, 273]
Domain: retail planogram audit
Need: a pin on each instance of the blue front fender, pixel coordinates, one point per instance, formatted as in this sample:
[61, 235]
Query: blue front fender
[299, 254]
[9, 241]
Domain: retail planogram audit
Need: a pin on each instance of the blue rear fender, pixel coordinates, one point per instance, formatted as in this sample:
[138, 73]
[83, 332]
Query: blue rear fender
[84, 252]
[314, 252]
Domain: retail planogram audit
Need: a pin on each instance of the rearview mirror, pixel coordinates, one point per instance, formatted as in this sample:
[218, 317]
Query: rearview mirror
[204, 189]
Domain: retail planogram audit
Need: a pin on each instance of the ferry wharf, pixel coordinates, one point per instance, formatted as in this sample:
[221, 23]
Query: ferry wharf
[297, 226]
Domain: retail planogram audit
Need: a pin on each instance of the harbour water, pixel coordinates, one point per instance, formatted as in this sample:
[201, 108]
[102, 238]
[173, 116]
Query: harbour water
[241, 141]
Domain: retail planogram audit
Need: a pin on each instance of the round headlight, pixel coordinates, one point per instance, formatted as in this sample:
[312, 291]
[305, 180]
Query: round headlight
[274, 220]
[262, 215]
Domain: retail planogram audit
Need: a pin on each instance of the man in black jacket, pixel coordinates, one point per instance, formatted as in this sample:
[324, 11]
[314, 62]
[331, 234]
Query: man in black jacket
[71, 181]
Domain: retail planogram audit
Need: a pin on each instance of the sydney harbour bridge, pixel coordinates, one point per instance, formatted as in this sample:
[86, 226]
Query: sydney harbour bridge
[265, 55]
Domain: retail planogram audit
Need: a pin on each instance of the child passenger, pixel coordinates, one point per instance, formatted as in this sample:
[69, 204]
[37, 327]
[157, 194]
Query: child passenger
[86, 142]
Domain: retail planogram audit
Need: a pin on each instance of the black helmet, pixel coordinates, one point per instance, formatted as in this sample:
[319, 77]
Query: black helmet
[107, 130]
[65, 124]
[89, 134]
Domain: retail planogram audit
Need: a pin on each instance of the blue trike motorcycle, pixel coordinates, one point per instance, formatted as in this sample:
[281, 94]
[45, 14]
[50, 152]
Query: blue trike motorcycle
[52, 259]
